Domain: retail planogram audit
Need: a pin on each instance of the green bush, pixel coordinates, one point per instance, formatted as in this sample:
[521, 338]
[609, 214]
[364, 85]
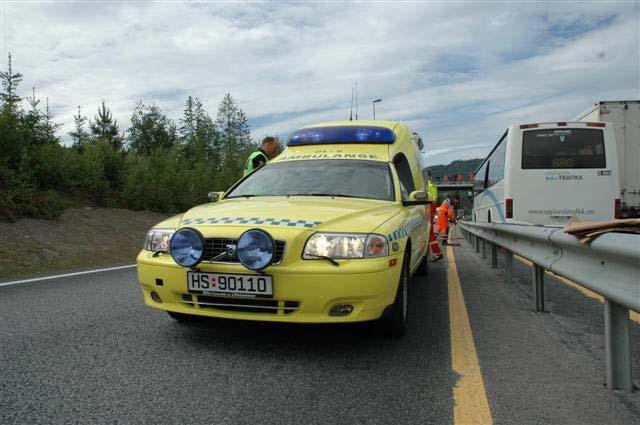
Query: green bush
[24, 200]
[47, 166]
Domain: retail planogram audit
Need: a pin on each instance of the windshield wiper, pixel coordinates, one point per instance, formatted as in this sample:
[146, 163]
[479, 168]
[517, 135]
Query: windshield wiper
[333, 195]
[242, 196]
[324, 257]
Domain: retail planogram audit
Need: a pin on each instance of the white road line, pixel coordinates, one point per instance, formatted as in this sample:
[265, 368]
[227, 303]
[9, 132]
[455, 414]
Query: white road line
[58, 276]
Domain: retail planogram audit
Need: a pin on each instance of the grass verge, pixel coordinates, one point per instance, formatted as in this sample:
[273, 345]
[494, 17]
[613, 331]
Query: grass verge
[79, 238]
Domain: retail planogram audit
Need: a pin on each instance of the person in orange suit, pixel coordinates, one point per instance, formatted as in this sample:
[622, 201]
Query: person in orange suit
[452, 211]
[451, 214]
[443, 220]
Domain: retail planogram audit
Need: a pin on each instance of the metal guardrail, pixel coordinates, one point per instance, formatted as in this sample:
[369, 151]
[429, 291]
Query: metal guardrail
[609, 266]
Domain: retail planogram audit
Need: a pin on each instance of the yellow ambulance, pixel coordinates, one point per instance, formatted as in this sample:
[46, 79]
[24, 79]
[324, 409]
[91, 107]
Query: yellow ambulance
[329, 231]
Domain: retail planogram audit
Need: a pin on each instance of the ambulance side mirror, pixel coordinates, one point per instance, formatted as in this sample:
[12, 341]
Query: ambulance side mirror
[417, 197]
[215, 196]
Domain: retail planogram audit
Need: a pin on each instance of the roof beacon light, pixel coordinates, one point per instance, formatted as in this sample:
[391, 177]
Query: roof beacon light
[342, 134]
[595, 124]
[523, 126]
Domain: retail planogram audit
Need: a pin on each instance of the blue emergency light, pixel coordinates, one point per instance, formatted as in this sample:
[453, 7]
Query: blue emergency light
[342, 134]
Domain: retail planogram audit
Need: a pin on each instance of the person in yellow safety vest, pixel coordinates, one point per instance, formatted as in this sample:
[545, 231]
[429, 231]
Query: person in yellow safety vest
[432, 191]
[257, 159]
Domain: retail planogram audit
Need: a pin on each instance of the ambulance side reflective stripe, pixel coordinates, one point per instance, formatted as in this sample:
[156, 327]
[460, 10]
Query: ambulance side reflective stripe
[405, 230]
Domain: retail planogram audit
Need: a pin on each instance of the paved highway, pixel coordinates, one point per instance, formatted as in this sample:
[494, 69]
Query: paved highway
[84, 349]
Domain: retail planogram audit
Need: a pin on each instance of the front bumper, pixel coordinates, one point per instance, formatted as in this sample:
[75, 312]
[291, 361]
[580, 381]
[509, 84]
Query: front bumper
[304, 290]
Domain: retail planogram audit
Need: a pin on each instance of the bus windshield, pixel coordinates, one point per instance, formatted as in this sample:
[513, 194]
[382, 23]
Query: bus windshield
[563, 148]
[320, 177]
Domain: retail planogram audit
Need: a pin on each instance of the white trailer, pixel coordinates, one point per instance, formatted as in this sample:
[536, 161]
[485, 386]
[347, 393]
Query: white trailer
[625, 117]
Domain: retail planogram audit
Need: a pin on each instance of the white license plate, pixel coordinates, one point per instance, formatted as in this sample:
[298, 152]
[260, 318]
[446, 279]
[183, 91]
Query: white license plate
[244, 285]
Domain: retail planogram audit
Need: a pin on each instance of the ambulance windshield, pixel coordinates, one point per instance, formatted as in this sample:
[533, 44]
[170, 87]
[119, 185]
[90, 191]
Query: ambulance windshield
[331, 177]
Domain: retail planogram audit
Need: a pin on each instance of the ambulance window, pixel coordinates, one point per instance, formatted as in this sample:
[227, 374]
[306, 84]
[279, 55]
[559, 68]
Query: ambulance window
[354, 178]
[404, 176]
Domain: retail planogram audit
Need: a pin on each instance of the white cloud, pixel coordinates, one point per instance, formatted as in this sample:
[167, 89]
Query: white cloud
[458, 74]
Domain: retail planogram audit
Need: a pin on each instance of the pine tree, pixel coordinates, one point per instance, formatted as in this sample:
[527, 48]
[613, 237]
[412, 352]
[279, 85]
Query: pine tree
[226, 123]
[188, 121]
[32, 119]
[80, 136]
[235, 137]
[232, 124]
[13, 135]
[10, 81]
[244, 132]
[104, 127]
[199, 137]
[49, 127]
[150, 130]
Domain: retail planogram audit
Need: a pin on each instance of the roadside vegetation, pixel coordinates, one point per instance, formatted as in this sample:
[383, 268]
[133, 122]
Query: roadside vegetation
[80, 238]
[158, 164]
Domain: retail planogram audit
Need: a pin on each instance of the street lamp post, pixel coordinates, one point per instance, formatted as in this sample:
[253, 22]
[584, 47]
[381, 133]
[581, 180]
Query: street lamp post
[374, 107]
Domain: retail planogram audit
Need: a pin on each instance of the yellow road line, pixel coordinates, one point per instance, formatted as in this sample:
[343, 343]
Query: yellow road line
[469, 395]
[632, 314]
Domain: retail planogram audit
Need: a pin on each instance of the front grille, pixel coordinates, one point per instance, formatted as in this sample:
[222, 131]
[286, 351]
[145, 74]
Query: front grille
[248, 305]
[216, 246]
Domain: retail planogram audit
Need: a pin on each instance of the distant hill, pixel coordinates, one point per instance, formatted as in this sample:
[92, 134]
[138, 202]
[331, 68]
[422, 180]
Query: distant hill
[463, 167]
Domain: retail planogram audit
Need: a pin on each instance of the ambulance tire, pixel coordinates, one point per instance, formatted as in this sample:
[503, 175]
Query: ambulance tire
[423, 269]
[394, 323]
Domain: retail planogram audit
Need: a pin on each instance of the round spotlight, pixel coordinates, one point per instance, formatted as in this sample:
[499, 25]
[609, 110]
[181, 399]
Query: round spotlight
[156, 297]
[256, 249]
[186, 247]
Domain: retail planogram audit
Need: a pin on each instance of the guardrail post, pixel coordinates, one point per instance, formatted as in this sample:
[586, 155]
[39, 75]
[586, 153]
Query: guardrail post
[477, 244]
[538, 288]
[617, 346]
[508, 266]
[494, 256]
[484, 249]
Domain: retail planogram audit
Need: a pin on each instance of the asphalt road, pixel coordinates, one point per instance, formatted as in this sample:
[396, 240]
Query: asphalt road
[84, 349]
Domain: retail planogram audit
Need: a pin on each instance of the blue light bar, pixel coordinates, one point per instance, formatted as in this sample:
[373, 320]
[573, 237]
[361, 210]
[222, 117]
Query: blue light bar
[342, 134]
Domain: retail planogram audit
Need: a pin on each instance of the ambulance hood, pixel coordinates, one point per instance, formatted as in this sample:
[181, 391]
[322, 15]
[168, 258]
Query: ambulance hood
[318, 213]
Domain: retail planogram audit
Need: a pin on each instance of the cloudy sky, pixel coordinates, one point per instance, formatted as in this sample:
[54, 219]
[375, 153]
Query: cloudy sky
[456, 72]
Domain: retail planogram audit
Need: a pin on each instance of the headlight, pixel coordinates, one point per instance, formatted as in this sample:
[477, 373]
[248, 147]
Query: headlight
[342, 245]
[158, 240]
[255, 249]
[186, 247]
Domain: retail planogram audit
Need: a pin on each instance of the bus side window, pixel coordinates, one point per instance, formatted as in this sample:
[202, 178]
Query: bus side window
[480, 179]
[496, 163]
[487, 182]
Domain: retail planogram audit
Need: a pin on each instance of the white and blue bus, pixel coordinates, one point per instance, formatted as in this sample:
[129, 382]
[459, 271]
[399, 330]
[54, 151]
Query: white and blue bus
[548, 173]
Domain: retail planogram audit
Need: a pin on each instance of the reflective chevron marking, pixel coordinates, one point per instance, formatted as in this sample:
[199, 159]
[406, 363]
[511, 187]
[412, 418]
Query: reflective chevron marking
[286, 222]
